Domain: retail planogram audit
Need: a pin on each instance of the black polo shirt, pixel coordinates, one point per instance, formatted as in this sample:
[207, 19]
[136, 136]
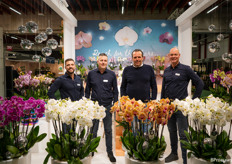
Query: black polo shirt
[67, 87]
[176, 80]
[102, 87]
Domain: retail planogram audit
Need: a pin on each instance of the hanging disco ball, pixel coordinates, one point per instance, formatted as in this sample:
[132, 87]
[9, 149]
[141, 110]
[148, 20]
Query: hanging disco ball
[44, 36]
[32, 27]
[211, 27]
[52, 43]
[227, 57]
[36, 58]
[214, 47]
[46, 51]
[26, 44]
[220, 37]
[38, 39]
[207, 141]
[230, 24]
[22, 29]
[49, 31]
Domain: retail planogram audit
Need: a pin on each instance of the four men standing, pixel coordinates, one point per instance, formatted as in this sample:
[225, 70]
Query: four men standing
[139, 82]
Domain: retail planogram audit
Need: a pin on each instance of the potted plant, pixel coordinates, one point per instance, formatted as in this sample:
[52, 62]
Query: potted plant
[207, 139]
[16, 138]
[78, 143]
[161, 68]
[142, 137]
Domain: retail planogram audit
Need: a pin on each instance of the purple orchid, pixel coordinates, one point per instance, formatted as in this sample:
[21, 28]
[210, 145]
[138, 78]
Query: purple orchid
[166, 38]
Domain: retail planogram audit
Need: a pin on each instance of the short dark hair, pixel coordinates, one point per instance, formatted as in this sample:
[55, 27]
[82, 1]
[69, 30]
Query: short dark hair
[102, 54]
[137, 50]
[69, 59]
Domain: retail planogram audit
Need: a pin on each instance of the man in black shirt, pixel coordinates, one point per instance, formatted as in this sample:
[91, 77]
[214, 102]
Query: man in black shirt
[69, 85]
[175, 82]
[138, 80]
[102, 84]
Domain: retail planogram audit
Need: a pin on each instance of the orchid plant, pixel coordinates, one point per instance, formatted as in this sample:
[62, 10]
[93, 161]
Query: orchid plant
[142, 137]
[16, 138]
[30, 86]
[206, 137]
[222, 83]
[79, 141]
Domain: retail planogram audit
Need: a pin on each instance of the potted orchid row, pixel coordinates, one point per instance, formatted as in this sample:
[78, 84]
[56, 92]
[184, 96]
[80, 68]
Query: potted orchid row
[76, 145]
[208, 140]
[16, 138]
[33, 86]
[143, 127]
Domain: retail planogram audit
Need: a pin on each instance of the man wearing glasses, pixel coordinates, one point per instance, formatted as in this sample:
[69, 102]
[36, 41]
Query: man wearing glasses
[175, 83]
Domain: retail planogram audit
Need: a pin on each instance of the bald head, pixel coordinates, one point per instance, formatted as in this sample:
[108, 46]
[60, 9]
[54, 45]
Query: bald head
[174, 56]
[174, 50]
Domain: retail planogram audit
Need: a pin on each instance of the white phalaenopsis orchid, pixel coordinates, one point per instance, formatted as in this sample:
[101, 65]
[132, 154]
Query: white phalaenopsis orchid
[84, 111]
[212, 111]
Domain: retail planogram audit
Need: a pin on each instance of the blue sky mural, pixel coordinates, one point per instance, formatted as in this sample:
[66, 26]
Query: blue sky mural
[118, 38]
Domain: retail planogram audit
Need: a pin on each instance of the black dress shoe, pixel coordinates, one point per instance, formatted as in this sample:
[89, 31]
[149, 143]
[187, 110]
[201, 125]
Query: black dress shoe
[171, 157]
[111, 157]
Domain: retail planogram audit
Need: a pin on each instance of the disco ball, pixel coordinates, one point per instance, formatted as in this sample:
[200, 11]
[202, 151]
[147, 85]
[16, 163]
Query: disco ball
[8, 155]
[227, 57]
[21, 142]
[38, 39]
[211, 27]
[36, 58]
[22, 29]
[207, 141]
[52, 43]
[230, 24]
[74, 152]
[46, 51]
[32, 27]
[220, 37]
[26, 44]
[49, 31]
[44, 36]
[214, 47]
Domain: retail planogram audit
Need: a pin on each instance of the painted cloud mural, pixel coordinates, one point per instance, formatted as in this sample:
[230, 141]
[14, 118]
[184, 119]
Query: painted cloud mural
[83, 40]
[126, 36]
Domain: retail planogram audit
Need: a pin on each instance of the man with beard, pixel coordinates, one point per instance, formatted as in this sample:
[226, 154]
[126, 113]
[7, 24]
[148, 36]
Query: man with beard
[102, 84]
[69, 85]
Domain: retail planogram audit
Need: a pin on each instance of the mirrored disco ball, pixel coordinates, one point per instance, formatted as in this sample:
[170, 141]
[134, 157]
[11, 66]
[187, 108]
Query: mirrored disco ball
[36, 58]
[21, 142]
[22, 29]
[52, 43]
[46, 51]
[38, 39]
[8, 155]
[207, 141]
[230, 24]
[227, 57]
[32, 27]
[49, 30]
[213, 47]
[44, 36]
[211, 27]
[26, 44]
[220, 37]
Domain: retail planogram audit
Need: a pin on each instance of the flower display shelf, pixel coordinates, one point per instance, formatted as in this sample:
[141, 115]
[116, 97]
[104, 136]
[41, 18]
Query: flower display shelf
[25, 159]
[129, 160]
[86, 160]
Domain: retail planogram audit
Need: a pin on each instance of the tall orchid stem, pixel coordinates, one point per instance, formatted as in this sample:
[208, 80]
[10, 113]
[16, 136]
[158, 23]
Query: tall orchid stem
[55, 127]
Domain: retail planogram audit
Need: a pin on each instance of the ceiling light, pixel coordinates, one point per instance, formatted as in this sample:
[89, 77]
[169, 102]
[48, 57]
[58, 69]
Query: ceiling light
[212, 9]
[122, 9]
[12, 37]
[15, 10]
